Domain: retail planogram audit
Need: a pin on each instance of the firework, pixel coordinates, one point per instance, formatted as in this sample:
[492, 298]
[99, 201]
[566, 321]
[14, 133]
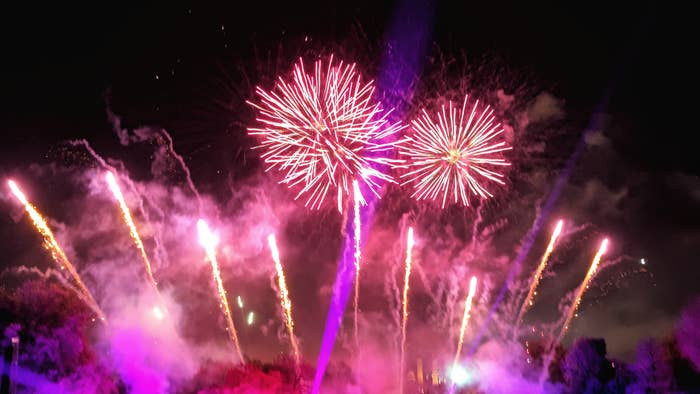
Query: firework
[208, 240]
[582, 289]
[284, 294]
[409, 261]
[251, 318]
[538, 273]
[157, 313]
[133, 231]
[450, 158]
[465, 318]
[356, 257]
[322, 130]
[54, 248]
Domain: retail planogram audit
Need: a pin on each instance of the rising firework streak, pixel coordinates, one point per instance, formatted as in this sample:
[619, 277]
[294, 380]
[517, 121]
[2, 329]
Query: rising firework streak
[54, 248]
[284, 295]
[582, 289]
[133, 231]
[538, 273]
[404, 315]
[465, 318]
[451, 157]
[322, 130]
[209, 241]
[357, 256]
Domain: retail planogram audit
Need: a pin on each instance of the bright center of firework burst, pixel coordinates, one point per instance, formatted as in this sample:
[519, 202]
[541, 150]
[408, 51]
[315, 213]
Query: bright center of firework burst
[453, 156]
[323, 131]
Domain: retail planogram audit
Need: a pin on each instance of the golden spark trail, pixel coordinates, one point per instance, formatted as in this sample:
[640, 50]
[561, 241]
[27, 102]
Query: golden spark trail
[582, 289]
[284, 295]
[126, 215]
[538, 274]
[54, 248]
[409, 262]
[357, 255]
[465, 318]
[208, 240]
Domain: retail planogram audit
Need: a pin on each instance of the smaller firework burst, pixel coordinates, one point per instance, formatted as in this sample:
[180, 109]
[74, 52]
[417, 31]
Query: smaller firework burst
[453, 155]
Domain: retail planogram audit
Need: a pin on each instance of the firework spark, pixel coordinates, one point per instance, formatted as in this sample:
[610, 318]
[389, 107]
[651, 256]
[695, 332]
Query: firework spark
[357, 256]
[284, 294]
[322, 130]
[538, 273]
[450, 157]
[208, 240]
[133, 231]
[465, 318]
[409, 261]
[157, 313]
[54, 248]
[582, 288]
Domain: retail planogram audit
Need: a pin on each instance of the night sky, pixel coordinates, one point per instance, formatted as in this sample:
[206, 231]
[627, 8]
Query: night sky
[189, 68]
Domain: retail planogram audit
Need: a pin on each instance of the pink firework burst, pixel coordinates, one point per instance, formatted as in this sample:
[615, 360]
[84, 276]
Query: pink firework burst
[322, 130]
[453, 156]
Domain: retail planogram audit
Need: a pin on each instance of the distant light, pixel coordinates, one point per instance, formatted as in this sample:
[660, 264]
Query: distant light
[158, 313]
[240, 302]
[643, 262]
[251, 318]
[459, 375]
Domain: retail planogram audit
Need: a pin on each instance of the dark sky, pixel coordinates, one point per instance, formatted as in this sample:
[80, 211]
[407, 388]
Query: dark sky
[164, 65]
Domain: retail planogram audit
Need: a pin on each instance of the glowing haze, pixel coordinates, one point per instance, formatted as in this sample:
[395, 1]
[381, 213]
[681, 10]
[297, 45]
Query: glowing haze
[322, 130]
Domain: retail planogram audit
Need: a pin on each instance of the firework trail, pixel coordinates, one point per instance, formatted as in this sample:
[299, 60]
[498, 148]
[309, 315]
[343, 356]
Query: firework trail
[208, 240]
[465, 318]
[538, 273]
[55, 249]
[284, 295]
[451, 157]
[582, 289]
[322, 130]
[133, 231]
[409, 261]
[356, 258]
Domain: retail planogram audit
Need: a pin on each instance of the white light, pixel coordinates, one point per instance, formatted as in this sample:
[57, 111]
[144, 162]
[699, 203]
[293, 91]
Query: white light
[643, 262]
[251, 318]
[240, 302]
[459, 375]
[157, 313]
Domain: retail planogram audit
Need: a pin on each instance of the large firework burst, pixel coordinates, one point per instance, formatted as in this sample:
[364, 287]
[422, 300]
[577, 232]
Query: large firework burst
[452, 156]
[323, 130]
